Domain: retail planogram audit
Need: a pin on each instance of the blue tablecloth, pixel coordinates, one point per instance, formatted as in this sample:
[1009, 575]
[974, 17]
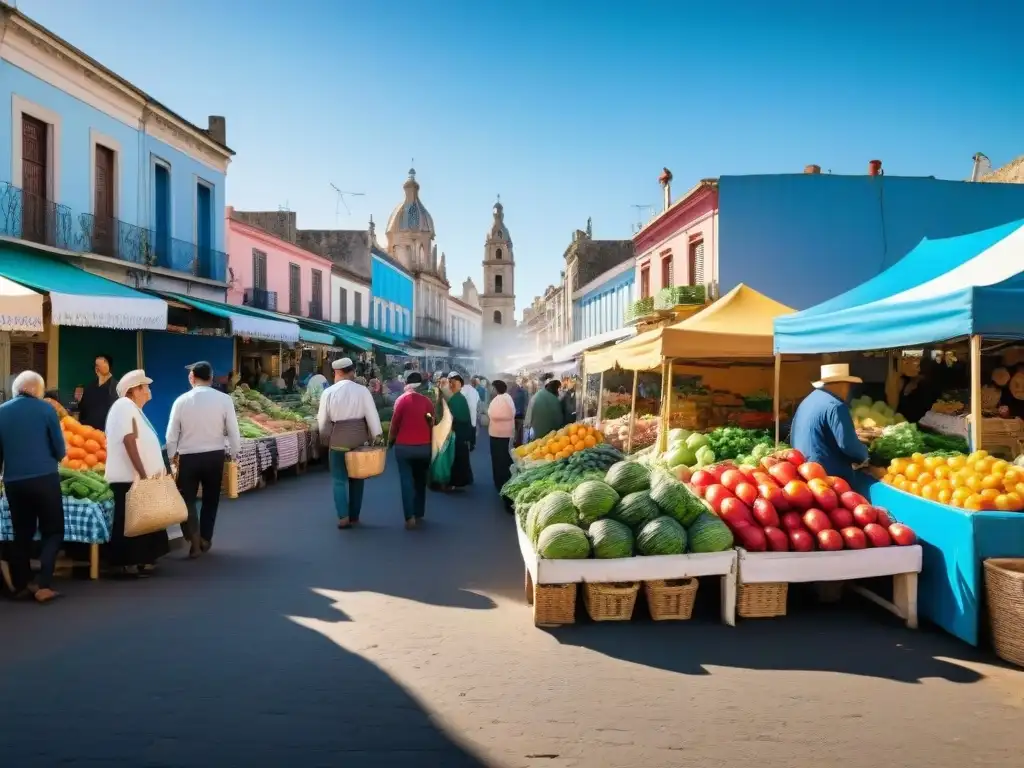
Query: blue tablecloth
[951, 587]
[85, 522]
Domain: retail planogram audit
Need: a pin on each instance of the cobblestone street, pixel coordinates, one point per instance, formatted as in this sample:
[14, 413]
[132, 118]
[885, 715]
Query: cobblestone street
[296, 644]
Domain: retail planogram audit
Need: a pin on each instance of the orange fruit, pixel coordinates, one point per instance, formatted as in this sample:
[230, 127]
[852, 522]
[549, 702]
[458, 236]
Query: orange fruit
[90, 459]
[91, 445]
[589, 441]
[101, 455]
[77, 441]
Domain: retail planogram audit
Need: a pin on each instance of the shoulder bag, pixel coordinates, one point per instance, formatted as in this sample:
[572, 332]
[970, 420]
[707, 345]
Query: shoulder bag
[153, 503]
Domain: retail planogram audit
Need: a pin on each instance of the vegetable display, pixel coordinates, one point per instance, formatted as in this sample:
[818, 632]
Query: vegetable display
[974, 482]
[560, 444]
[84, 484]
[868, 414]
[259, 416]
[902, 440]
[86, 447]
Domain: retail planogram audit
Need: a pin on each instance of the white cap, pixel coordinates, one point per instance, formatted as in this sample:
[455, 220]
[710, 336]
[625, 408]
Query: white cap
[343, 362]
[132, 379]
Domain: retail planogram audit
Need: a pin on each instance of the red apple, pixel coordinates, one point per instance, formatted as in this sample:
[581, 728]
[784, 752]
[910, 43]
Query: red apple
[864, 514]
[884, 518]
[752, 538]
[778, 541]
[817, 521]
[839, 485]
[877, 535]
[783, 473]
[731, 478]
[854, 538]
[793, 521]
[902, 535]
[765, 514]
[746, 493]
[841, 518]
[748, 472]
[793, 456]
[769, 461]
[830, 540]
[716, 470]
[715, 494]
[733, 511]
[702, 479]
[798, 494]
[802, 540]
[851, 499]
[824, 497]
[774, 494]
[682, 473]
[810, 470]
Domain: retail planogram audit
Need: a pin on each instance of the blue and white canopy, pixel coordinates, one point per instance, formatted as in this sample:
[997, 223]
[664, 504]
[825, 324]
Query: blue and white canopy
[943, 289]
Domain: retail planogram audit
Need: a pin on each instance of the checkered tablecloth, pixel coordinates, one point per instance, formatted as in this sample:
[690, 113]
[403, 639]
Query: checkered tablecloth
[288, 449]
[254, 458]
[85, 522]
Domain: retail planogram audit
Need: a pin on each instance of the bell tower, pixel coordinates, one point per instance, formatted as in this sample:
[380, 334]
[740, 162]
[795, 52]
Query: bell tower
[498, 297]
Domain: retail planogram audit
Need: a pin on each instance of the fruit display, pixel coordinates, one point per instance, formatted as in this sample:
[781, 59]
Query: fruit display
[790, 504]
[259, 416]
[631, 510]
[645, 431]
[869, 414]
[974, 482]
[84, 484]
[561, 443]
[60, 409]
[902, 440]
[86, 447]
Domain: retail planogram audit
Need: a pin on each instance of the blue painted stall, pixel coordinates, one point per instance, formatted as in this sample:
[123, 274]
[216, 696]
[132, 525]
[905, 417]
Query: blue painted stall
[943, 289]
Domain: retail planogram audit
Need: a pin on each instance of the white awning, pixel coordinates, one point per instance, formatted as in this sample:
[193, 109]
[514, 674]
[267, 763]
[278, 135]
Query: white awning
[21, 308]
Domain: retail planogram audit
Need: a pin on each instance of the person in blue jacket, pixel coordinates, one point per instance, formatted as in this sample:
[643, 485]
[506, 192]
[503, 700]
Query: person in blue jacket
[823, 428]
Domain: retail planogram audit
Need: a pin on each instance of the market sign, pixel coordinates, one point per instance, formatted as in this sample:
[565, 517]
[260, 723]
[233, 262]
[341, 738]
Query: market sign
[21, 308]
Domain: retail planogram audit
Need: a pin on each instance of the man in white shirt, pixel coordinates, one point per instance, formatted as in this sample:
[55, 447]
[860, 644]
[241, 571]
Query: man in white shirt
[473, 400]
[202, 426]
[347, 419]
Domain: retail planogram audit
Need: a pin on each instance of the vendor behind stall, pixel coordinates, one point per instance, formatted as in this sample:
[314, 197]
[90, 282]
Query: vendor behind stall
[98, 396]
[823, 428]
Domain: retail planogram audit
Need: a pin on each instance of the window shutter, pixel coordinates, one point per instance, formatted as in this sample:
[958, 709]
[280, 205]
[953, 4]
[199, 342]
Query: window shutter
[698, 263]
[343, 305]
[294, 296]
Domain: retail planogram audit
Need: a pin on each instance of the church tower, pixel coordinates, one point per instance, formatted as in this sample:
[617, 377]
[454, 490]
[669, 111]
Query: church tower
[498, 298]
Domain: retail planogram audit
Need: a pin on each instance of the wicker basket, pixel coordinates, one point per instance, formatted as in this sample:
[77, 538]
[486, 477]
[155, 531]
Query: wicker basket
[362, 463]
[611, 602]
[554, 604]
[1004, 590]
[229, 482]
[671, 600]
[758, 601]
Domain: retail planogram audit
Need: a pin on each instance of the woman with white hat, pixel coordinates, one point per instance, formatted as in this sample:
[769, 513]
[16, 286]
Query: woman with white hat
[823, 428]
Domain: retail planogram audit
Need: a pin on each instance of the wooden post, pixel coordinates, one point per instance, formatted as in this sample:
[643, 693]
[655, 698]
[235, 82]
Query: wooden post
[600, 398]
[138, 350]
[581, 397]
[975, 418]
[776, 395]
[666, 405]
[632, 414]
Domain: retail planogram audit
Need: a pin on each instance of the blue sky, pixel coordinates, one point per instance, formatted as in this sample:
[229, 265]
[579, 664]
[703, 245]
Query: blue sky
[566, 109]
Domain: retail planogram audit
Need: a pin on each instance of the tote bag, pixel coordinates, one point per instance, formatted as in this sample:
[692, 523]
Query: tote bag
[153, 504]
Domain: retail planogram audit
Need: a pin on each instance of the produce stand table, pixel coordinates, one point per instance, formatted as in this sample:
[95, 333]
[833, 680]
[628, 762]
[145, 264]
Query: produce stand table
[85, 522]
[902, 563]
[955, 544]
[288, 448]
[254, 458]
[723, 564]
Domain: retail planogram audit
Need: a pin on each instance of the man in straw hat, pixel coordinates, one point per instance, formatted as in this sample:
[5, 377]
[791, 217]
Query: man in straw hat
[823, 428]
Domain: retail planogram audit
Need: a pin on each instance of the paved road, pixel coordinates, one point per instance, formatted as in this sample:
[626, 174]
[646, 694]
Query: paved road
[296, 644]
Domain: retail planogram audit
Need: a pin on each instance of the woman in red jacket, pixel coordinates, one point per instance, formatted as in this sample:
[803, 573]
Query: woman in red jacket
[410, 434]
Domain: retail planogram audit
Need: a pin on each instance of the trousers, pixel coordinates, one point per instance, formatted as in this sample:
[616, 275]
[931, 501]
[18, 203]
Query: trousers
[197, 470]
[36, 504]
[413, 468]
[348, 491]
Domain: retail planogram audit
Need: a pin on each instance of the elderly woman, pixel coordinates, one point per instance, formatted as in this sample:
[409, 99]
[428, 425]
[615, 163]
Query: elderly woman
[133, 453]
[465, 434]
[31, 447]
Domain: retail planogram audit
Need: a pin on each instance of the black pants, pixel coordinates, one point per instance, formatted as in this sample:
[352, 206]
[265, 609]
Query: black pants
[35, 503]
[195, 470]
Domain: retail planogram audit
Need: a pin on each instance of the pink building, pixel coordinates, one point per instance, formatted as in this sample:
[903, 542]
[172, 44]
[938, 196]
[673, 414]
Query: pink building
[267, 272]
[680, 245]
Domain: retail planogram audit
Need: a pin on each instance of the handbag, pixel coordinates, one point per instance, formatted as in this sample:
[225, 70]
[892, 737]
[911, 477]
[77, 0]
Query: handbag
[153, 504]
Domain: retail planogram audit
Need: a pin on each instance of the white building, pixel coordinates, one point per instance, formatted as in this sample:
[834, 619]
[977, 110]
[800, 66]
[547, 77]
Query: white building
[350, 297]
[464, 322]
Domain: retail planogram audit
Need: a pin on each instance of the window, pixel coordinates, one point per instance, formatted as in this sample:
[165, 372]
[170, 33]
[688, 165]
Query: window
[497, 254]
[697, 263]
[357, 299]
[318, 286]
[497, 283]
[645, 281]
[294, 290]
[162, 213]
[104, 195]
[343, 306]
[666, 270]
[259, 270]
[497, 317]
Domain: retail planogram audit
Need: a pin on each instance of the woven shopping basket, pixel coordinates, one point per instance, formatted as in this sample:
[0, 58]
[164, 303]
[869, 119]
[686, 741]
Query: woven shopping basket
[1004, 591]
[153, 504]
[365, 462]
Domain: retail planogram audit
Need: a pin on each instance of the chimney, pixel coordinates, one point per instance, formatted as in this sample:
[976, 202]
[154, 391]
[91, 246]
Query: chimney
[218, 129]
[665, 179]
[875, 168]
[812, 169]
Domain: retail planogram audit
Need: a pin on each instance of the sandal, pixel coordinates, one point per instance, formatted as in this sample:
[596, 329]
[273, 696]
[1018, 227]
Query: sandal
[45, 595]
[410, 524]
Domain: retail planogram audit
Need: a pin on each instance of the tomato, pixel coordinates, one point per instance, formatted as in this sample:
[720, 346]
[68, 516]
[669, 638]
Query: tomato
[902, 535]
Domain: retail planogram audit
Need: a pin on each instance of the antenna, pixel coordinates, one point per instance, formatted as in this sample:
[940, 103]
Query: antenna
[342, 201]
[640, 211]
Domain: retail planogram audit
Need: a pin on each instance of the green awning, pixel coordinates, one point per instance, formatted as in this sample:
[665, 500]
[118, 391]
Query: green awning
[245, 321]
[81, 298]
[316, 337]
[341, 332]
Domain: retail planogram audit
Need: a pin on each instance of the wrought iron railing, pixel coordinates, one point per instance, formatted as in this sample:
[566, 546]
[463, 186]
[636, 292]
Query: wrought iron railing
[30, 217]
[259, 298]
[316, 310]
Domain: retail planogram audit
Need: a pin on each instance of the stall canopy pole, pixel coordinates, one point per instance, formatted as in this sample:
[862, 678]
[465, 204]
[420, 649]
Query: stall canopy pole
[632, 414]
[581, 397]
[666, 405]
[976, 416]
[600, 398]
[138, 350]
[776, 396]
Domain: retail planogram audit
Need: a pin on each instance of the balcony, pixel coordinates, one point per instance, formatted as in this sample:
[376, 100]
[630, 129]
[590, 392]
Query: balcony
[316, 310]
[260, 298]
[431, 331]
[35, 219]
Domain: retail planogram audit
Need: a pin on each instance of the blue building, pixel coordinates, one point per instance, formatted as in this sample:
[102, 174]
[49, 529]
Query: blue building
[599, 307]
[804, 238]
[391, 297]
[94, 168]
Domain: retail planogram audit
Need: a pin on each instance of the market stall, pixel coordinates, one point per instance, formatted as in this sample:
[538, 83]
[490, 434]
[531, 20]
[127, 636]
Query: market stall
[965, 290]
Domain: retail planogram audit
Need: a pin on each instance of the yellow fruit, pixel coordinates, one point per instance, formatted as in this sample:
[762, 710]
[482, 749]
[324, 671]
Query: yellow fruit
[913, 488]
[977, 455]
[956, 462]
[958, 503]
[887, 479]
[992, 481]
[931, 462]
[990, 494]
[925, 478]
[962, 494]
[974, 482]
[589, 441]
[897, 466]
[1000, 466]
[929, 491]
[549, 457]
[901, 483]
[974, 503]
[945, 496]
[1011, 477]
[1015, 501]
[913, 470]
[917, 457]
[942, 471]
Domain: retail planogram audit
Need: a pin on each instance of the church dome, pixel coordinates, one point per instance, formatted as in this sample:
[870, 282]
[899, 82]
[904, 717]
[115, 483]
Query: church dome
[411, 215]
[498, 229]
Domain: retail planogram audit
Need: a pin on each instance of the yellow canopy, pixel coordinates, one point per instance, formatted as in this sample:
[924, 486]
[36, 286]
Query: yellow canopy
[738, 325]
